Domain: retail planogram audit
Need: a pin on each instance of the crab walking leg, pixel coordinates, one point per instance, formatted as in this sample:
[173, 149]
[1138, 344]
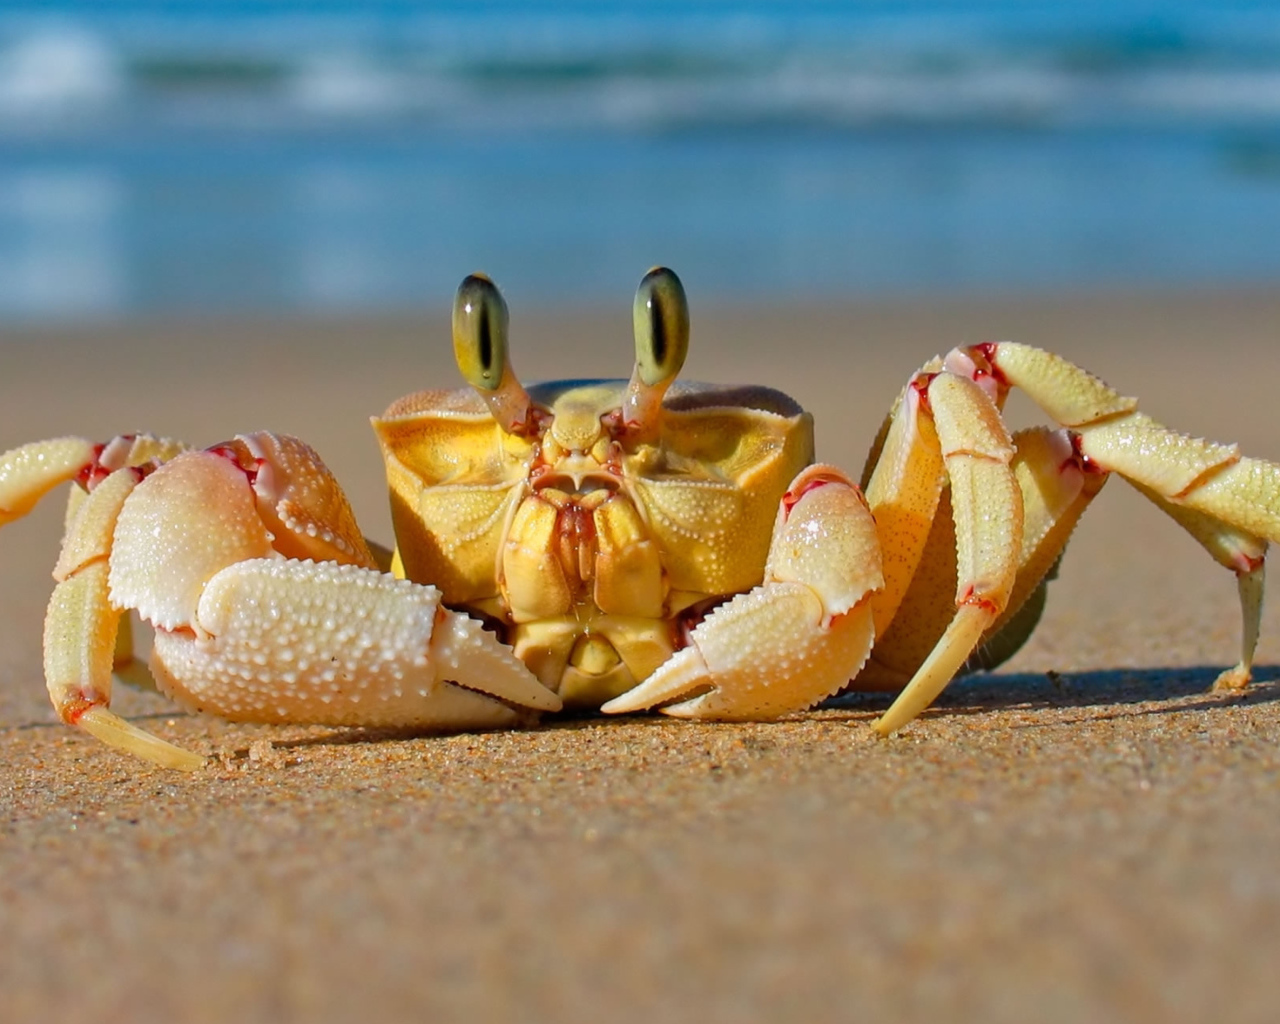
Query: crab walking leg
[1242, 553]
[279, 640]
[126, 666]
[1228, 502]
[903, 491]
[987, 506]
[30, 472]
[1056, 486]
[798, 637]
[79, 638]
[80, 631]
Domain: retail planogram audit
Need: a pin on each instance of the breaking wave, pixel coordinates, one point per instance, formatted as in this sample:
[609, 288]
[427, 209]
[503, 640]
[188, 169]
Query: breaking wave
[507, 66]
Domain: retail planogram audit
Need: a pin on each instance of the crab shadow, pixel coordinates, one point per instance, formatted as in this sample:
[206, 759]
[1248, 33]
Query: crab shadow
[1159, 691]
[1112, 693]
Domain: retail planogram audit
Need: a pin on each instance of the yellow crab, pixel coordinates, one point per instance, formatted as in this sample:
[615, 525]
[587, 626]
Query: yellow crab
[620, 545]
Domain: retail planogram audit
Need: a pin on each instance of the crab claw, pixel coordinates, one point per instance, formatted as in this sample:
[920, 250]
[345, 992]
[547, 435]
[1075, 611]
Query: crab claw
[331, 644]
[258, 618]
[798, 637]
[266, 605]
[299, 502]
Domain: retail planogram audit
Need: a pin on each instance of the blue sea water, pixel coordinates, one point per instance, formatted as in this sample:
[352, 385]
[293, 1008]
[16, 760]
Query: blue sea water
[226, 156]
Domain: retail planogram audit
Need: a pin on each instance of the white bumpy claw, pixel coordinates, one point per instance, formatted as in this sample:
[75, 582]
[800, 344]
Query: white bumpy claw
[286, 641]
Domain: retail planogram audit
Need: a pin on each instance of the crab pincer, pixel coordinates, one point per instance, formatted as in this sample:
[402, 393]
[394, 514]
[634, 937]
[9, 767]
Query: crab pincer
[266, 603]
[799, 636]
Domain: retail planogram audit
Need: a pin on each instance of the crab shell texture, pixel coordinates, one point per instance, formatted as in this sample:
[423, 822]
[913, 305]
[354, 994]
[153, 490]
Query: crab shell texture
[593, 550]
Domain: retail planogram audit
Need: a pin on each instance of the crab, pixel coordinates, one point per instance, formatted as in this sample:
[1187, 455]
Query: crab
[614, 545]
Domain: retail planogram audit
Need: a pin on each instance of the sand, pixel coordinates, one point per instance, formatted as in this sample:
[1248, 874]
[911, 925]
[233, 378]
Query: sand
[1085, 835]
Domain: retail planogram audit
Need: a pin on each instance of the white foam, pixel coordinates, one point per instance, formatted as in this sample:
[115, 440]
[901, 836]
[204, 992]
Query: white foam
[56, 70]
[344, 84]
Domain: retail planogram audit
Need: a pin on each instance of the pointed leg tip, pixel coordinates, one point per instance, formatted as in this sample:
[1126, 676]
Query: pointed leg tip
[883, 729]
[1233, 680]
[115, 732]
[185, 761]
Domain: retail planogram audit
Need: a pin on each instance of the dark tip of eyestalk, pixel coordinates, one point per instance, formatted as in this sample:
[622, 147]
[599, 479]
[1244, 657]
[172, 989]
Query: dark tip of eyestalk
[660, 317]
[480, 321]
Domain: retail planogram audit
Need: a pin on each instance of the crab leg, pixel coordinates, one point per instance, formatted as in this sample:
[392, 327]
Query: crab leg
[987, 506]
[1057, 485]
[30, 472]
[251, 635]
[798, 637]
[80, 631]
[1229, 503]
[125, 666]
[1242, 553]
[903, 491]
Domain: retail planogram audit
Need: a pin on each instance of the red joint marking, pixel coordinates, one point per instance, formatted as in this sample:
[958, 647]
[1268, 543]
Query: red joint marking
[621, 429]
[972, 597]
[247, 464]
[684, 625]
[792, 498]
[93, 472]
[613, 459]
[1250, 563]
[72, 711]
[534, 425]
[987, 350]
[920, 382]
[613, 423]
[1080, 458]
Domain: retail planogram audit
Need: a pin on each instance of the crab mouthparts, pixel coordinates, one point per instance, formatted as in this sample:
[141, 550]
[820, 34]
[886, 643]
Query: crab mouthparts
[575, 473]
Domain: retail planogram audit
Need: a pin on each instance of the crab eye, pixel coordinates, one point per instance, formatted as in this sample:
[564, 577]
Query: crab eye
[480, 332]
[480, 347]
[661, 319]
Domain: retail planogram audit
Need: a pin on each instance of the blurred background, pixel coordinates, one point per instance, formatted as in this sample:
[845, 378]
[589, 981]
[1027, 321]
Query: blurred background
[215, 156]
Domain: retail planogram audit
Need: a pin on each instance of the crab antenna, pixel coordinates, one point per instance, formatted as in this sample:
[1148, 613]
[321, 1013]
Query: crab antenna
[661, 319]
[480, 347]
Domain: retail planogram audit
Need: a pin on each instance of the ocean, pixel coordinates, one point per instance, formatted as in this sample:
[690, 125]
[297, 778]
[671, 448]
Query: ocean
[223, 157]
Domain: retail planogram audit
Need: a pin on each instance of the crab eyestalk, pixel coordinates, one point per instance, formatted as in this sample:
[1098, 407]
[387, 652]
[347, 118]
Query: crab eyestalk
[480, 347]
[661, 319]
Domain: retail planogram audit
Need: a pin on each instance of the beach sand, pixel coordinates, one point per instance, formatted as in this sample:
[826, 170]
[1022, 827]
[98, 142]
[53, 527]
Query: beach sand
[1086, 835]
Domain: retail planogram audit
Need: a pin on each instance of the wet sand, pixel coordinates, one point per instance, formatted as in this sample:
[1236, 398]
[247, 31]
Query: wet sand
[1086, 835]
